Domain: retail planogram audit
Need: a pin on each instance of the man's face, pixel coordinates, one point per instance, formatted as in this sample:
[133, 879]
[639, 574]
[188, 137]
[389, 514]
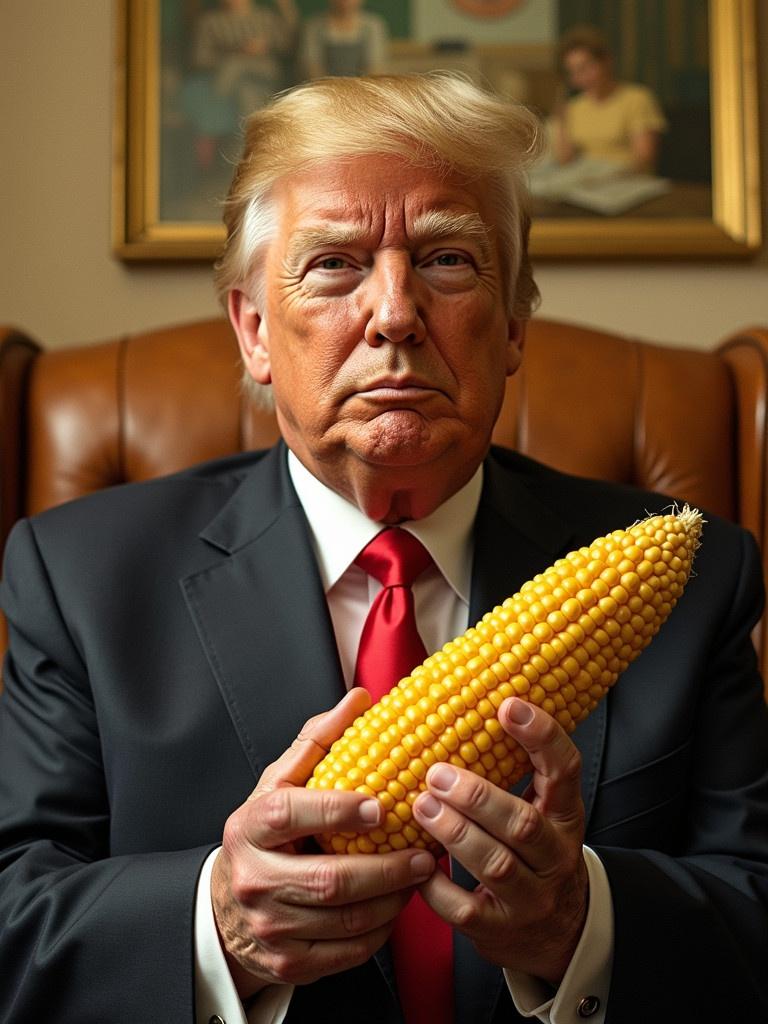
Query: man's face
[384, 331]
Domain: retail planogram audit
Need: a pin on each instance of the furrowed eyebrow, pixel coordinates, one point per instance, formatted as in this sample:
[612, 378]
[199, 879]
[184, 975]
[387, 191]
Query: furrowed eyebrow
[332, 235]
[437, 224]
[431, 226]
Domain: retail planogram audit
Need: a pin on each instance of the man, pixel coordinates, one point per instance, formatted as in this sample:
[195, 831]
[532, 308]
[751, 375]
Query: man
[169, 640]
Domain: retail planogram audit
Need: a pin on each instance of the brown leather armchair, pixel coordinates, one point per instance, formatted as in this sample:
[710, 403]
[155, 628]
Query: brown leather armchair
[691, 424]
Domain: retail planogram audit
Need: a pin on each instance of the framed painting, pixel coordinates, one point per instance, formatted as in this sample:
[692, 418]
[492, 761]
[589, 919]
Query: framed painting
[189, 71]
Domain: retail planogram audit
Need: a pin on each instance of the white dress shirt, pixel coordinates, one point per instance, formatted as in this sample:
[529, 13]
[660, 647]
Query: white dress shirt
[339, 531]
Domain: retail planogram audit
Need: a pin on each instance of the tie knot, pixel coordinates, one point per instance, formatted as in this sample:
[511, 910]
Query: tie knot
[394, 557]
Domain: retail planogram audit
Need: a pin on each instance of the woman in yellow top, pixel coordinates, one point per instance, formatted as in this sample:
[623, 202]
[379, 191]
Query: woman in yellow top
[618, 122]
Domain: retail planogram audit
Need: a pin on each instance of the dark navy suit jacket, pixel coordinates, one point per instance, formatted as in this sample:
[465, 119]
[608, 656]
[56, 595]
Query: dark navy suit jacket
[168, 640]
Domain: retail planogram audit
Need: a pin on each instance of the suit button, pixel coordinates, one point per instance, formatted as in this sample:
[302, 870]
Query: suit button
[216, 1019]
[588, 1006]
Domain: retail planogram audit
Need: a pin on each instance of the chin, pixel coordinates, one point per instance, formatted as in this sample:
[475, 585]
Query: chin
[400, 439]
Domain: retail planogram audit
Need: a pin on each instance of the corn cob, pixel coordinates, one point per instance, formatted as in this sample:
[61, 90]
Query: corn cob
[560, 642]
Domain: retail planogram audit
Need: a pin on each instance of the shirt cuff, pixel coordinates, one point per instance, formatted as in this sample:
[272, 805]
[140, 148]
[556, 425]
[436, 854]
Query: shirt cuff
[583, 992]
[215, 992]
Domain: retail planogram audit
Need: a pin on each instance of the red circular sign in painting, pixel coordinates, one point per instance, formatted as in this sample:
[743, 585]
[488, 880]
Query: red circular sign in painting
[488, 8]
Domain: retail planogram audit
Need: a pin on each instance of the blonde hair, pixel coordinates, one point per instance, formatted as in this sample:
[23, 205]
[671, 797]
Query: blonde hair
[439, 119]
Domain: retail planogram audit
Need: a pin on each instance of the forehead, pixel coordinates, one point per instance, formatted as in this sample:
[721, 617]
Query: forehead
[380, 192]
[580, 56]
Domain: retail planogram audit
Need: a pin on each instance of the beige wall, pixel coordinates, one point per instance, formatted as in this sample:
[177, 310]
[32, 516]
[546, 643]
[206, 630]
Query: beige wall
[60, 282]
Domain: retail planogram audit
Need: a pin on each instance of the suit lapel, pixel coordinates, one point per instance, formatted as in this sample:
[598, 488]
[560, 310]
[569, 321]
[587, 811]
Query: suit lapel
[516, 536]
[261, 615]
[262, 618]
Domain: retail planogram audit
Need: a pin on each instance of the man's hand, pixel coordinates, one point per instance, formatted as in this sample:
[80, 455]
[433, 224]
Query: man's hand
[291, 917]
[528, 911]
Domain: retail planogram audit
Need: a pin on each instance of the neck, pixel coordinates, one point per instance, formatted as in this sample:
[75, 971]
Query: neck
[396, 495]
[345, 22]
[602, 91]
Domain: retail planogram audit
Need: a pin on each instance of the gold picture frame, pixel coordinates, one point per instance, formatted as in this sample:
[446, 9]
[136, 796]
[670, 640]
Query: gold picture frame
[732, 229]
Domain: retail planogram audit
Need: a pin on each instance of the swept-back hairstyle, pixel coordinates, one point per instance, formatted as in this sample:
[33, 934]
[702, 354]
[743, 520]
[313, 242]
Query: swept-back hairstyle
[438, 120]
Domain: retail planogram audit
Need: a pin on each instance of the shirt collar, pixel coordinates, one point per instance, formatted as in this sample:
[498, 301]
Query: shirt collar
[340, 530]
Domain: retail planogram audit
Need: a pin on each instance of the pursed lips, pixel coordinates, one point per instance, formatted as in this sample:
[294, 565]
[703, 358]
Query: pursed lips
[392, 388]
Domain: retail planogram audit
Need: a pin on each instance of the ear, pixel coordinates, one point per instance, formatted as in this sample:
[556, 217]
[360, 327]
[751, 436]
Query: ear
[515, 343]
[252, 335]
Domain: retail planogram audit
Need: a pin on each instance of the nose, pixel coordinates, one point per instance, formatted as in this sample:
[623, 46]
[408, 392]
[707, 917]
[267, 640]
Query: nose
[394, 307]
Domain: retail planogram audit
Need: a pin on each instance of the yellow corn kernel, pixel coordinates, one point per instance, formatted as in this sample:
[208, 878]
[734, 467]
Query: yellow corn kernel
[560, 642]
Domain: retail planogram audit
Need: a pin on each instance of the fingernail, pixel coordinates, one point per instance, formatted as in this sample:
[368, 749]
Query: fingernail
[370, 812]
[520, 711]
[429, 807]
[442, 777]
[421, 865]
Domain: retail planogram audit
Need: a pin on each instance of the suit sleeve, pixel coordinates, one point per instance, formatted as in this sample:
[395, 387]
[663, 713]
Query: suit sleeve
[83, 935]
[691, 931]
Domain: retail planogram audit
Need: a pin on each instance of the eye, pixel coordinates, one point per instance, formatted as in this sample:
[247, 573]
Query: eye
[331, 263]
[448, 259]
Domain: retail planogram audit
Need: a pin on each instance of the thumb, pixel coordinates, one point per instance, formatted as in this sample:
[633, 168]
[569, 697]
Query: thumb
[294, 767]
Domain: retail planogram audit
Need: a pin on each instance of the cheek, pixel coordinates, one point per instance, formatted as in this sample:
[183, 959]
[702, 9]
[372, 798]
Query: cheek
[480, 346]
[316, 340]
[478, 361]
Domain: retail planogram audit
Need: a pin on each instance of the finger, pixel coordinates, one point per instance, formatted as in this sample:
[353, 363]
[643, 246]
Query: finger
[509, 822]
[328, 880]
[302, 962]
[556, 760]
[273, 818]
[340, 954]
[313, 742]
[460, 908]
[322, 880]
[490, 861]
[313, 924]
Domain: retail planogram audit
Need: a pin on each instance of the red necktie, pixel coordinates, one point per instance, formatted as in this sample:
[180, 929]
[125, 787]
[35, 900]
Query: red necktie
[390, 646]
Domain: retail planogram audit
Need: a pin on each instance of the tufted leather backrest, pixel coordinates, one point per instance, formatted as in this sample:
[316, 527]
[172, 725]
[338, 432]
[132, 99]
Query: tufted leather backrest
[689, 423]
